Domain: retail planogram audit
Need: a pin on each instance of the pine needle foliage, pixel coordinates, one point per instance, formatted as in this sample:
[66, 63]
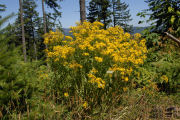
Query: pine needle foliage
[121, 15]
[15, 77]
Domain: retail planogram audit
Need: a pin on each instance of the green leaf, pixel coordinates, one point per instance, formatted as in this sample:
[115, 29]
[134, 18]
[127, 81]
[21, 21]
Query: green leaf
[172, 19]
[170, 9]
[178, 13]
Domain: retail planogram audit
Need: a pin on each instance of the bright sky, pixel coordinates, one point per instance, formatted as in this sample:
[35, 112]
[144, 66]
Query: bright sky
[70, 10]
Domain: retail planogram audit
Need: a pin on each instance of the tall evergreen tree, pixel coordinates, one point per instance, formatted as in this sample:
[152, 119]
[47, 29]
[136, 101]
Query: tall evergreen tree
[31, 26]
[93, 11]
[23, 34]
[31, 22]
[121, 15]
[13, 84]
[100, 10]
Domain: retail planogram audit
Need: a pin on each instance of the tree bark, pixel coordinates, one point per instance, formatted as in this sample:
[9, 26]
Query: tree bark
[44, 19]
[82, 10]
[35, 50]
[173, 38]
[34, 42]
[23, 34]
[113, 7]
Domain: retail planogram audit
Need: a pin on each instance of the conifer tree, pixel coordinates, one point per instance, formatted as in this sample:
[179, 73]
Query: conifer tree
[93, 11]
[23, 34]
[31, 23]
[13, 86]
[100, 10]
[121, 15]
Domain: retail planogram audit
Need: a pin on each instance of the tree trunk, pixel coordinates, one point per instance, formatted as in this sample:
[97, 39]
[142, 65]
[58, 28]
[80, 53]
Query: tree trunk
[173, 38]
[35, 50]
[82, 10]
[23, 35]
[34, 41]
[44, 19]
[113, 7]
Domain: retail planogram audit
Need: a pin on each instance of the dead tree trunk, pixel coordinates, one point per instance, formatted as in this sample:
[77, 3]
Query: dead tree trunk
[173, 38]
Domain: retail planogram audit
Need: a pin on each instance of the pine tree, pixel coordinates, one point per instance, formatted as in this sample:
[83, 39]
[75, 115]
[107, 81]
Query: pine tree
[93, 11]
[13, 85]
[105, 13]
[31, 22]
[22, 26]
[33, 30]
[100, 10]
[121, 15]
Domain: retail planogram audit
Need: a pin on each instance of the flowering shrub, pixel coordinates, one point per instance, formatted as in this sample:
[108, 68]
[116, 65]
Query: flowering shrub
[94, 62]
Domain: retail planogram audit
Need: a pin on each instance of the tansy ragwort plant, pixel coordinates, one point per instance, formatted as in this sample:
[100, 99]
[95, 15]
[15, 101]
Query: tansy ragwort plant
[94, 62]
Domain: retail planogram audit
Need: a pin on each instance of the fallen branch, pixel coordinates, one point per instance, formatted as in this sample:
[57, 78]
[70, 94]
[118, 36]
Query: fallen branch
[173, 38]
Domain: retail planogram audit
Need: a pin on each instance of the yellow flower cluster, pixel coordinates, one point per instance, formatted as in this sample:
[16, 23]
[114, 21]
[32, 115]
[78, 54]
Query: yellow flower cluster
[75, 65]
[93, 71]
[122, 51]
[113, 41]
[137, 36]
[53, 37]
[97, 80]
[43, 76]
[164, 78]
[85, 54]
[98, 59]
[60, 52]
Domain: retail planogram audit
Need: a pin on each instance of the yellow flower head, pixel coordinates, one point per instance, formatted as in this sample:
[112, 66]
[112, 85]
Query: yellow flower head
[126, 79]
[127, 35]
[85, 105]
[125, 89]
[66, 94]
[164, 78]
[85, 54]
[94, 70]
[98, 59]
[137, 35]
[68, 38]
